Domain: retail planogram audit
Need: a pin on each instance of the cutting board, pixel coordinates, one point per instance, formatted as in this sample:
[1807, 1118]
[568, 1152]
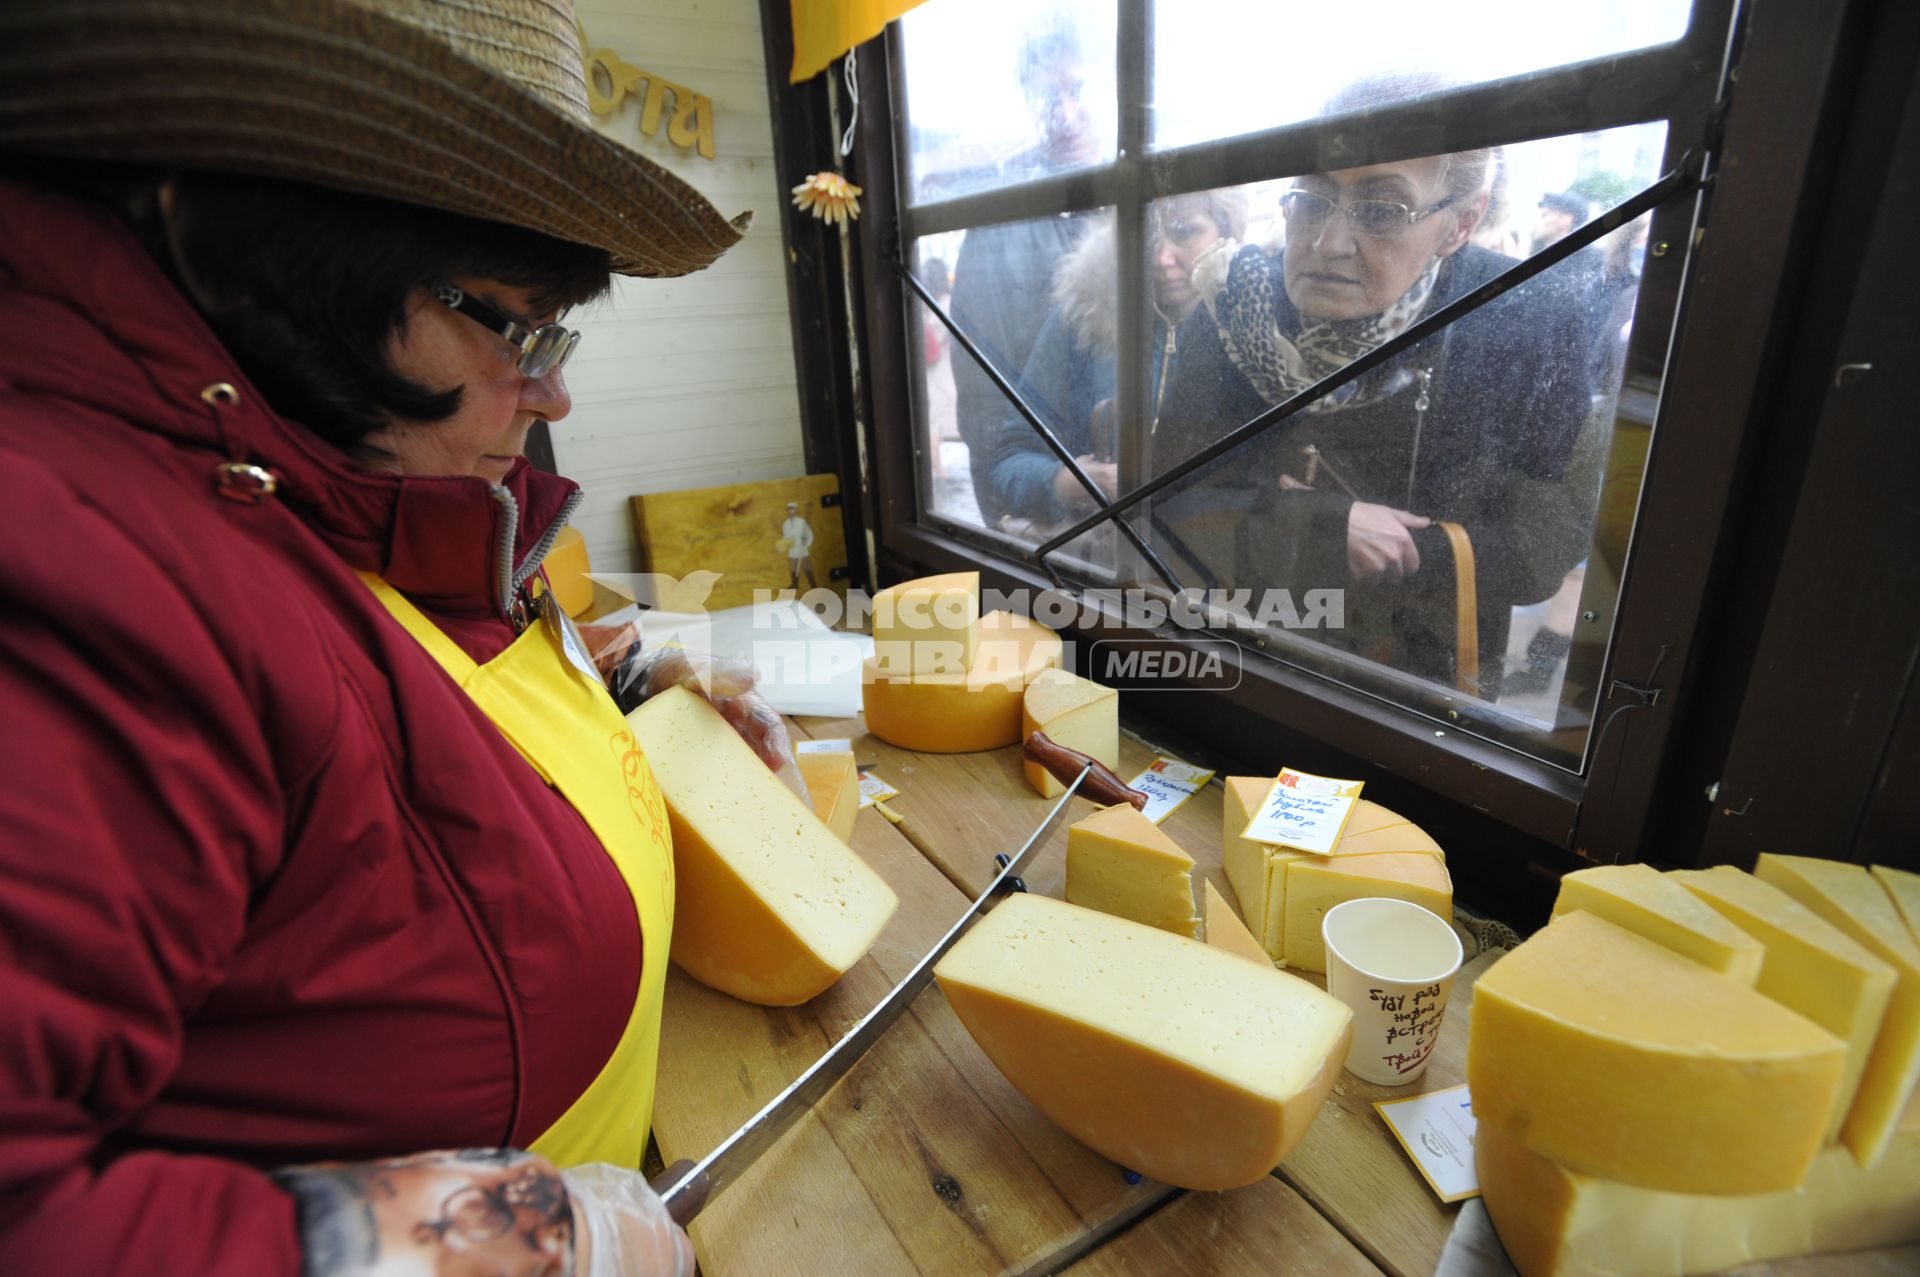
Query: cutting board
[738, 533]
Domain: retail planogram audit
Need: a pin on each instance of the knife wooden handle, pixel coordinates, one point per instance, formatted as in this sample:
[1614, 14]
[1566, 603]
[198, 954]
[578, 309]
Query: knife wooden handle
[1101, 786]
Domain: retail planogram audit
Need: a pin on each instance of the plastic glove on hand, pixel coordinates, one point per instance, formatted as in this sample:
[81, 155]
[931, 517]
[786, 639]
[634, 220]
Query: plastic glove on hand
[621, 1227]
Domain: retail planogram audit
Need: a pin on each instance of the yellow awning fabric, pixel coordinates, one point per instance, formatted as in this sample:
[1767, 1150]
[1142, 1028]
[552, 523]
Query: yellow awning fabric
[825, 29]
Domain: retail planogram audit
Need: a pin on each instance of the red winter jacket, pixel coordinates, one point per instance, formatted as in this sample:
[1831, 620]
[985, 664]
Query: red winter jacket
[271, 888]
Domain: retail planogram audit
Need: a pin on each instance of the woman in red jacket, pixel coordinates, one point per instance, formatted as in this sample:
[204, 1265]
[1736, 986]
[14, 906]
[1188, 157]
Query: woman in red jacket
[321, 842]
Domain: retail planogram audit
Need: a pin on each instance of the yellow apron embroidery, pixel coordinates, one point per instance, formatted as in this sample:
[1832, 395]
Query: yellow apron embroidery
[566, 726]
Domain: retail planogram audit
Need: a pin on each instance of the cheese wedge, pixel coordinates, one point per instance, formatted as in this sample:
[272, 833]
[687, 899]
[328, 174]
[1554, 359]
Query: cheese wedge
[926, 626]
[1173, 1058]
[1072, 711]
[1619, 1058]
[833, 785]
[1315, 884]
[1641, 899]
[1226, 931]
[1121, 863]
[1811, 967]
[1555, 1222]
[1904, 887]
[960, 714]
[769, 906]
[1848, 897]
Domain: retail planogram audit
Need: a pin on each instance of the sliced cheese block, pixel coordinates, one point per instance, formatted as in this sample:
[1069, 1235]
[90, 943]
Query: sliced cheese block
[833, 784]
[1121, 863]
[1904, 887]
[1811, 966]
[1848, 897]
[1641, 899]
[959, 714]
[1555, 1222]
[769, 906]
[926, 626]
[1173, 1058]
[1072, 711]
[1315, 884]
[1619, 1058]
[1226, 931]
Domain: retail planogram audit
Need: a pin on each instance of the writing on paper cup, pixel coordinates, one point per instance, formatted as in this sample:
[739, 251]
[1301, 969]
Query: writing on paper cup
[1393, 963]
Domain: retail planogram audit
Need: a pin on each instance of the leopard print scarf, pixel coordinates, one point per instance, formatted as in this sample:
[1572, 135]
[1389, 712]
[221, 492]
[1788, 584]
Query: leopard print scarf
[1280, 351]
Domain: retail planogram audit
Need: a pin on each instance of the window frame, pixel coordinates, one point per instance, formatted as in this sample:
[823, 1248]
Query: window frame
[1763, 193]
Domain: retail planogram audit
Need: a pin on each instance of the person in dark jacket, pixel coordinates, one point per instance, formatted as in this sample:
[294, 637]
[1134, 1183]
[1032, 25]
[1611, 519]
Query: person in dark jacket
[321, 841]
[1476, 426]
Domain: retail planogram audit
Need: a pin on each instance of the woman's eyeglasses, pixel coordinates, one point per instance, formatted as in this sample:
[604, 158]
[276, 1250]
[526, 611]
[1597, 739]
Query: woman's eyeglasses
[542, 350]
[1378, 218]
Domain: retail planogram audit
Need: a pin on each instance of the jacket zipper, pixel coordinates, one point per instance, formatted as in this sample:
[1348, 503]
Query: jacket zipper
[506, 577]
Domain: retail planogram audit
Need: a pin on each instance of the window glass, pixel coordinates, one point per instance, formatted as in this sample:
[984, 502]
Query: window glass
[1238, 66]
[1004, 91]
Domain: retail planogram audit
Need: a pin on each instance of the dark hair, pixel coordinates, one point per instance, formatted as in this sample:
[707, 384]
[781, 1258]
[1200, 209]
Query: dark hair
[306, 286]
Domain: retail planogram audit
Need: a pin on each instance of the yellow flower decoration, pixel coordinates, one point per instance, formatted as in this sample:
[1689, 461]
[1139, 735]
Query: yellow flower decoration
[829, 197]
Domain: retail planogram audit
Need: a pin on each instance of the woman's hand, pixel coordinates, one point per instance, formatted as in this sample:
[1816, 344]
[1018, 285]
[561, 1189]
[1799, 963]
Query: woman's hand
[1072, 495]
[1380, 542]
[621, 1227]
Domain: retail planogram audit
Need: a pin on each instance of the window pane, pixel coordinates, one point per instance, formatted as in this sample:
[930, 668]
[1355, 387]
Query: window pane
[1239, 66]
[1005, 91]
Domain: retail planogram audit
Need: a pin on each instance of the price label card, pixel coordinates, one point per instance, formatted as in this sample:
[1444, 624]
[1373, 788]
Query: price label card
[1167, 783]
[823, 747]
[1304, 812]
[1436, 1130]
[874, 790]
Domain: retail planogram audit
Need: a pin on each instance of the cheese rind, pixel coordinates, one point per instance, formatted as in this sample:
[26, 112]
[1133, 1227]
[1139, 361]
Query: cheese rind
[1555, 1222]
[1121, 863]
[1645, 902]
[962, 714]
[769, 906]
[1811, 967]
[1172, 1058]
[1226, 931]
[1848, 897]
[833, 787]
[1315, 884]
[927, 625]
[1617, 1057]
[1073, 711]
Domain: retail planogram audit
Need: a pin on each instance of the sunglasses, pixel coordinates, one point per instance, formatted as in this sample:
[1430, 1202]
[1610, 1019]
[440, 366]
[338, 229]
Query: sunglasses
[542, 350]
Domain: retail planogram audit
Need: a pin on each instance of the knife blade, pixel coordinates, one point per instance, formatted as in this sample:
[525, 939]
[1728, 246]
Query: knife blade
[688, 1188]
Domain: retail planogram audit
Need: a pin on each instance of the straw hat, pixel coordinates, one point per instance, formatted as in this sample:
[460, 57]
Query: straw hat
[475, 106]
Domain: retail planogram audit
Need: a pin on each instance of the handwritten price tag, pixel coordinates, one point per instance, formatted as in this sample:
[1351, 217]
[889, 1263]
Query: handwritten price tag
[1167, 783]
[874, 790]
[1437, 1131]
[1304, 812]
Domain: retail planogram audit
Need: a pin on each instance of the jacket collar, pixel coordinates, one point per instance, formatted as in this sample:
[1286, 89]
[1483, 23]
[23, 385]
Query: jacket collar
[94, 321]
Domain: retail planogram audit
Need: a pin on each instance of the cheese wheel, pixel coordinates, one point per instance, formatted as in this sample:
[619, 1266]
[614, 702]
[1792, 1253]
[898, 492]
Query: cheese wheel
[1848, 897]
[1556, 1222]
[1226, 931]
[1811, 967]
[1904, 887]
[927, 625]
[1073, 711]
[566, 568]
[1173, 1058]
[1639, 898]
[769, 906]
[960, 714]
[1619, 1058]
[1315, 884]
[833, 786]
[1121, 863]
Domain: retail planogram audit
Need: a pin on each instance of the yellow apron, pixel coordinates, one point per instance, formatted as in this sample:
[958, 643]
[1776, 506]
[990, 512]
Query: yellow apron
[563, 722]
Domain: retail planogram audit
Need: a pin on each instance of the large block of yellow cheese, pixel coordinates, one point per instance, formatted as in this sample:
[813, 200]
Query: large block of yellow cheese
[1555, 1222]
[1181, 1061]
[1619, 1058]
[769, 906]
[963, 713]
[1121, 863]
[1904, 887]
[1848, 897]
[1315, 884]
[1646, 903]
[1226, 931]
[1250, 865]
[1073, 711]
[927, 625]
[1811, 967]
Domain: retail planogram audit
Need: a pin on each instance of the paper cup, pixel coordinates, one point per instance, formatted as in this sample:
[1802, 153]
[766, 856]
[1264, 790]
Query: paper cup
[1393, 963]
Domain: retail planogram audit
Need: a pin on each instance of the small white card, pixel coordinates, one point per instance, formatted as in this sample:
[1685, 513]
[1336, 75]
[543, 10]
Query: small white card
[1304, 812]
[1167, 783]
[823, 747]
[1437, 1130]
[874, 790]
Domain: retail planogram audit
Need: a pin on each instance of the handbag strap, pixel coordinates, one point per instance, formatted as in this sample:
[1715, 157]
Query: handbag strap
[1466, 600]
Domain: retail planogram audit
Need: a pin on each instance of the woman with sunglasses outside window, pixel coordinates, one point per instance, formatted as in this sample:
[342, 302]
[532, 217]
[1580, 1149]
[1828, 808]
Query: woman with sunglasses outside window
[321, 840]
[1476, 425]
